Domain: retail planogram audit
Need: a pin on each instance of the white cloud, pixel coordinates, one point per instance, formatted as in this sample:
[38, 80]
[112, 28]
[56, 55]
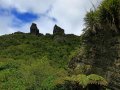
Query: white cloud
[36, 6]
[5, 25]
[69, 14]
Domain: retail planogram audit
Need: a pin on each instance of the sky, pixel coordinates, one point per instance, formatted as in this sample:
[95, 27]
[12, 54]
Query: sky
[18, 15]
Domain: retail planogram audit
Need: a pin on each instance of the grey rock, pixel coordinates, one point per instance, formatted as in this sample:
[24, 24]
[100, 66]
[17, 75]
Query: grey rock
[34, 30]
[58, 31]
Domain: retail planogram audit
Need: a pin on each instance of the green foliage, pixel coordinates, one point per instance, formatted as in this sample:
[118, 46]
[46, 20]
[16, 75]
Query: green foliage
[102, 28]
[101, 40]
[81, 81]
[29, 62]
[37, 74]
[106, 15]
[24, 46]
[96, 79]
[92, 20]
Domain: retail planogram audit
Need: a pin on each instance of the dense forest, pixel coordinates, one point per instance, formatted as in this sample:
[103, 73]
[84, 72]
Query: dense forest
[59, 61]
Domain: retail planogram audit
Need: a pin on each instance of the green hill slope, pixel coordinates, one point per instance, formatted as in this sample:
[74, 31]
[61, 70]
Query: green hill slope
[31, 62]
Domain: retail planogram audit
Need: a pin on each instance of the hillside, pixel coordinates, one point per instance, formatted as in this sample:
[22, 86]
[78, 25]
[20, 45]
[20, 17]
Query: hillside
[29, 61]
[59, 61]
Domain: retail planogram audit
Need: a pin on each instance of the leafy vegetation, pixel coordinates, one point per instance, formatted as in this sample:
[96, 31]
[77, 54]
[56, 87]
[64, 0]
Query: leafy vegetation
[101, 41]
[81, 82]
[29, 62]
[107, 14]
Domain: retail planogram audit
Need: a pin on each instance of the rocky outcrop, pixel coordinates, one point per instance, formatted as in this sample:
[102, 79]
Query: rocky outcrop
[34, 30]
[58, 31]
[58, 34]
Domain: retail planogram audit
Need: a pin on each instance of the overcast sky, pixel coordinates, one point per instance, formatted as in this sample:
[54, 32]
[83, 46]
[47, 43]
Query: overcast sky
[17, 15]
